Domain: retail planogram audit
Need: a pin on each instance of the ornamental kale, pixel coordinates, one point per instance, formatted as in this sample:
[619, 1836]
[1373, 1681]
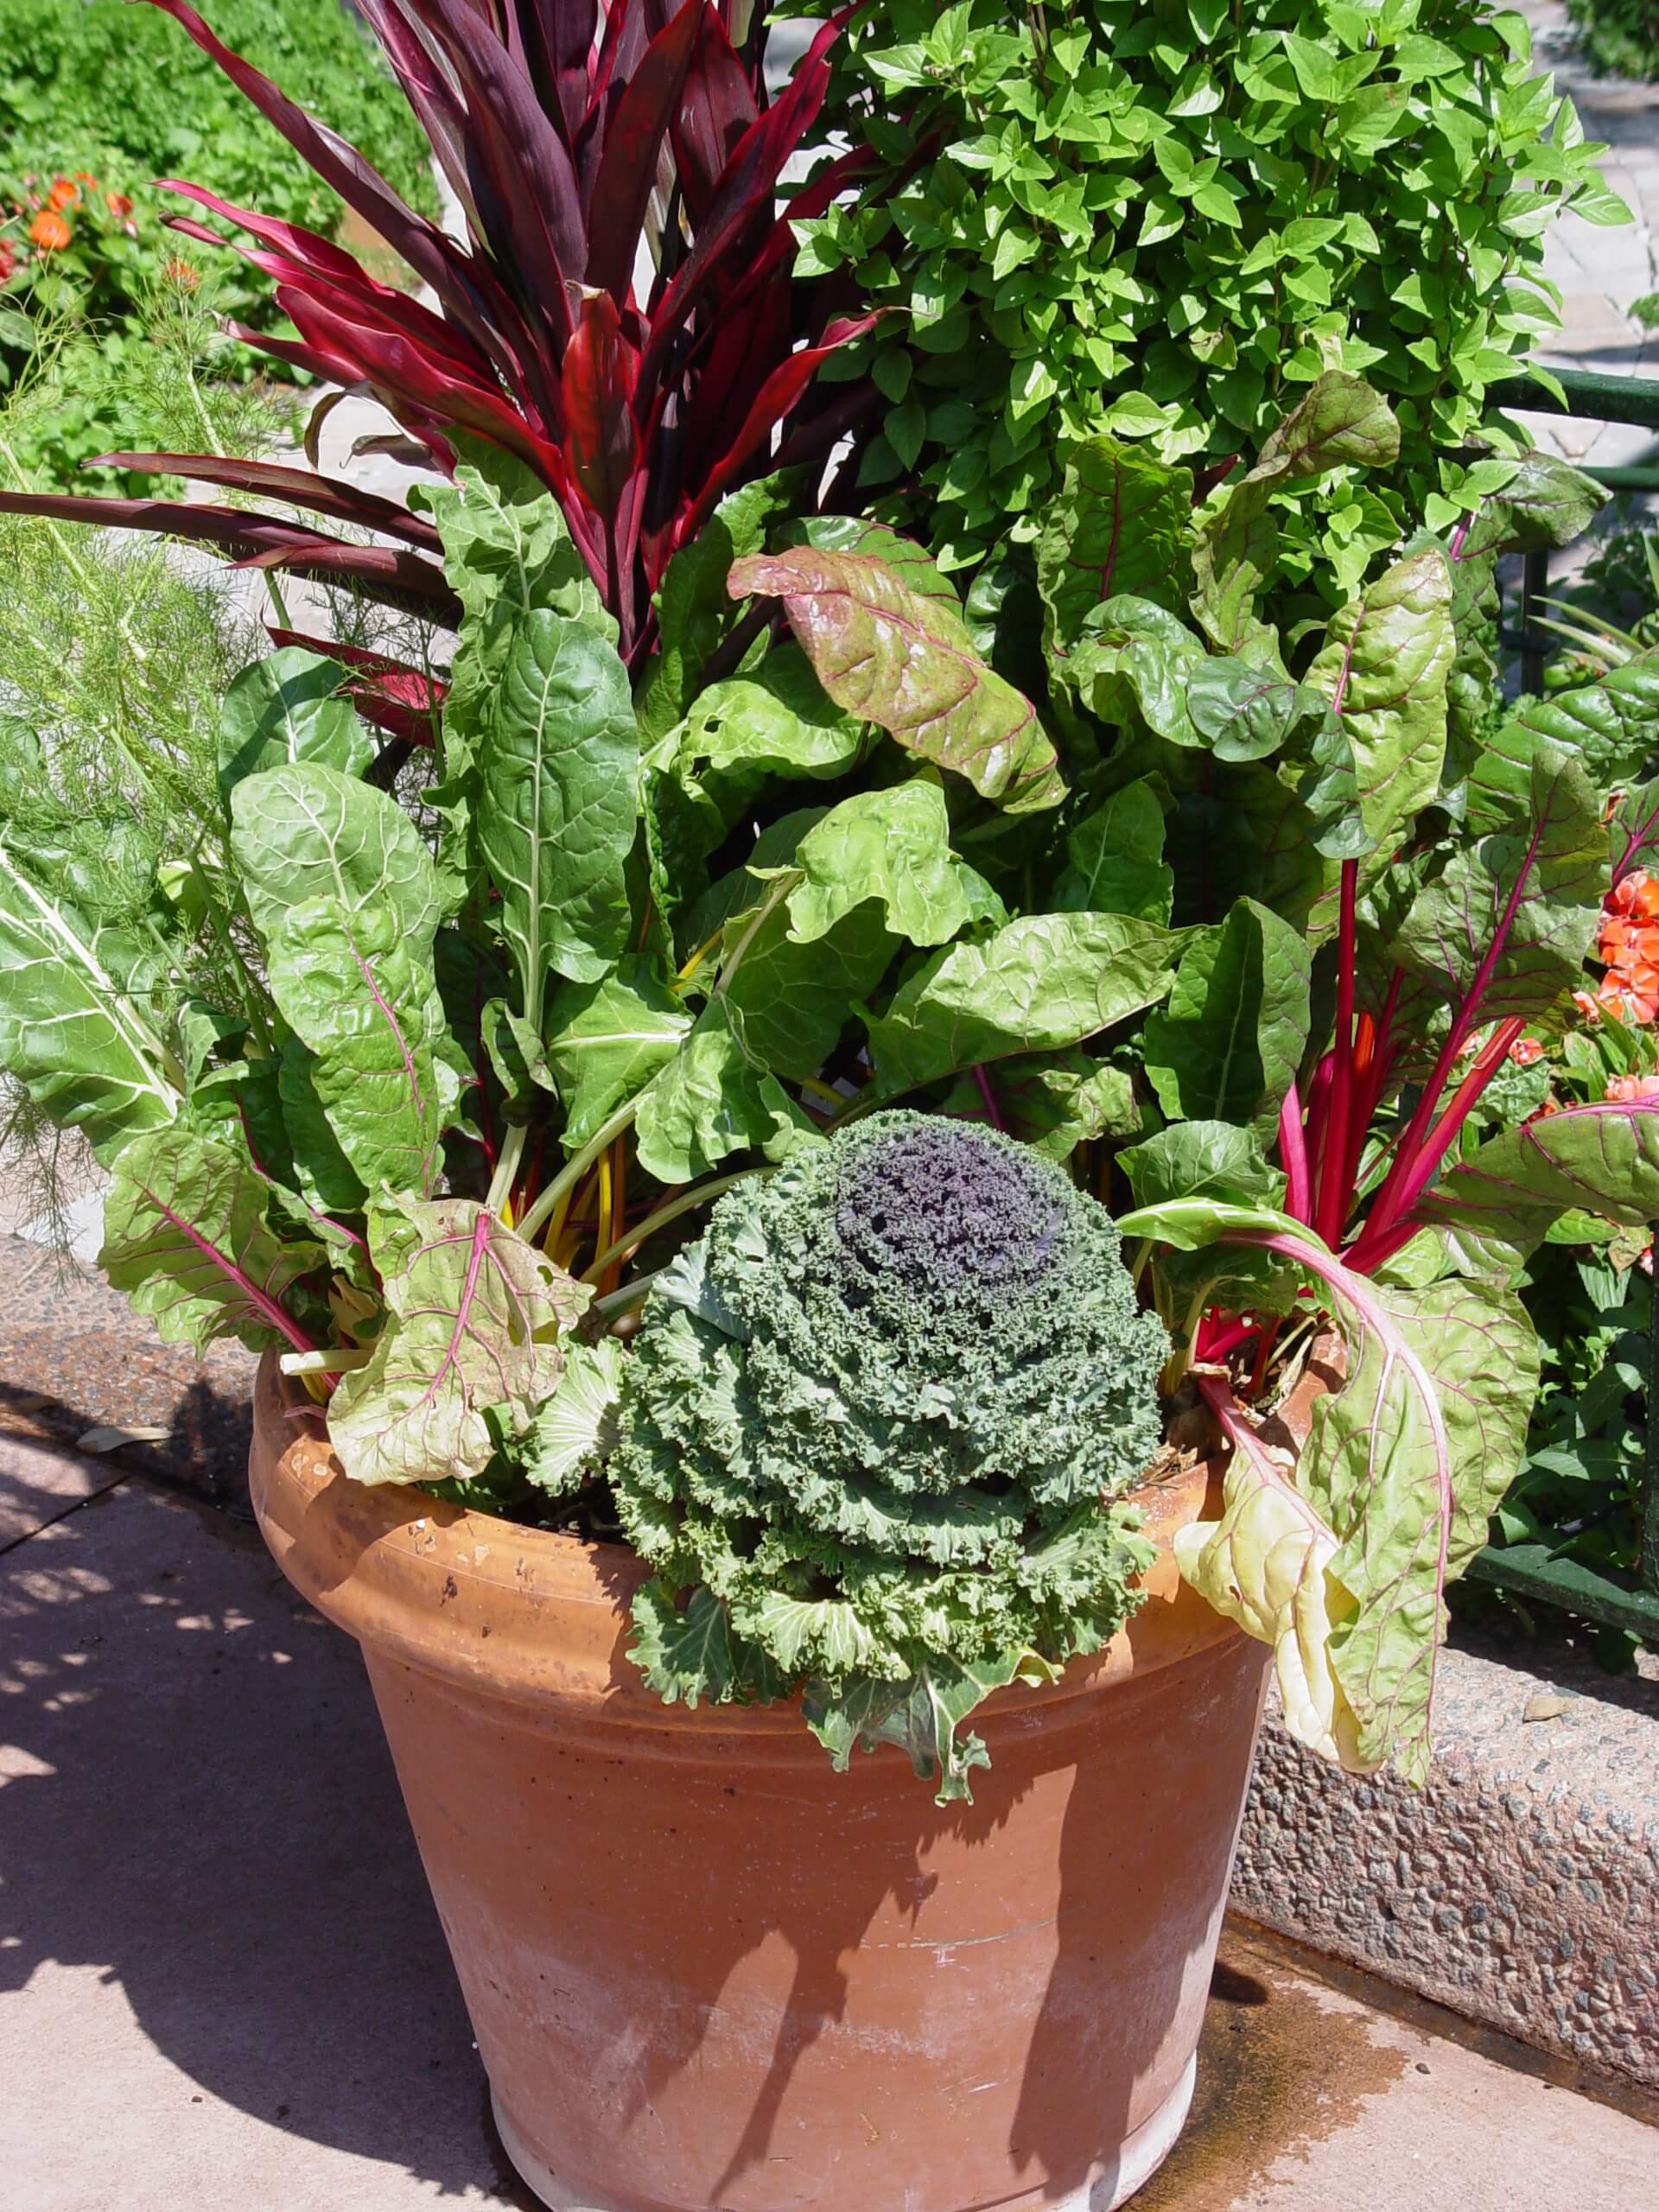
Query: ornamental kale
[874, 1432]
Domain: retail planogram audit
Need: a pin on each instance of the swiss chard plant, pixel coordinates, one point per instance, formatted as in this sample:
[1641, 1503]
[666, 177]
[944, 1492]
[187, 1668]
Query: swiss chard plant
[426, 1083]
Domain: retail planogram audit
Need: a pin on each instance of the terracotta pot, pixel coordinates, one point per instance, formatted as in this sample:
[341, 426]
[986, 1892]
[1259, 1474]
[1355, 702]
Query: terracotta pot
[708, 1973]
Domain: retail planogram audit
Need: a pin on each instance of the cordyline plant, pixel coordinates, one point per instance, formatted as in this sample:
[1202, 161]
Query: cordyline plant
[622, 319]
[429, 1097]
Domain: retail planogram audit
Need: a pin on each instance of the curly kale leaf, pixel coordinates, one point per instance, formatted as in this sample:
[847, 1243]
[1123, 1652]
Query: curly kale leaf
[874, 1436]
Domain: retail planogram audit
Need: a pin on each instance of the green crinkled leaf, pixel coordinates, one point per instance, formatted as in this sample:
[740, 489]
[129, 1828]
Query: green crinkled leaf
[710, 1101]
[1044, 982]
[557, 767]
[1201, 1159]
[1510, 1190]
[920, 1715]
[576, 1427]
[606, 1040]
[884, 651]
[308, 832]
[74, 1028]
[286, 707]
[1116, 860]
[187, 1241]
[1611, 727]
[689, 1652]
[1227, 1046]
[793, 999]
[1383, 666]
[892, 845]
[362, 997]
[468, 1349]
[1121, 524]
[1546, 873]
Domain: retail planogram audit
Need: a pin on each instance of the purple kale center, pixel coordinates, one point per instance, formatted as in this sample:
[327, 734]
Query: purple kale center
[945, 1211]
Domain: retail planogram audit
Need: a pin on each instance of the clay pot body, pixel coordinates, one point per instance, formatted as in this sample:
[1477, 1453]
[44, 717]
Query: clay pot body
[707, 1974]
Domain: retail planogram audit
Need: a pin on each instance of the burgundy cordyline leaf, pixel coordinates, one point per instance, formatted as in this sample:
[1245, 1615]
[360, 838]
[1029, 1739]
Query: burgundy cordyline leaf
[556, 121]
[627, 168]
[402, 701]
[324, 495]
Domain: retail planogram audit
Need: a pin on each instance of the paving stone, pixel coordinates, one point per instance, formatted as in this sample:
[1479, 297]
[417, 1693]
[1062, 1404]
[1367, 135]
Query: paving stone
[40, 1483]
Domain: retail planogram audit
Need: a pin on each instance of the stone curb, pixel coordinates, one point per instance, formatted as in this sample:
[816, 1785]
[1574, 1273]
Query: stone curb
[1520, 1888]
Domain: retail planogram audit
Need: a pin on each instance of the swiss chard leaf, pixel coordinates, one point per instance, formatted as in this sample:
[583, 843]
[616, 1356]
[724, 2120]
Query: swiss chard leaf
[1340, 421]
[74, 1030]
[893, 845]
[710, 1101]
[187, 1238]
[907, 661]
[287, 707]
[362, 997]
[1116, 860]
[1383, 666]
[1511, 1189]
[468, 1351]
[307, 831]
[1536, 884]
[1044, 982]
[1228, 1044]
[606, 1041]
[557, 767]
[1121, 524]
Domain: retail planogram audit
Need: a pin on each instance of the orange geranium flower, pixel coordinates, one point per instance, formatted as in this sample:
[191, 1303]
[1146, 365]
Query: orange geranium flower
[1526, 1051]
[50, 232]
[118, 203]
[1628, 946]
[1626, 1088]
[63, 194]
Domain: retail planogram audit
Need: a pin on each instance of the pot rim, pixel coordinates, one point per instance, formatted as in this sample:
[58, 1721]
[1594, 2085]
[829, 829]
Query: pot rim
[537, 1616]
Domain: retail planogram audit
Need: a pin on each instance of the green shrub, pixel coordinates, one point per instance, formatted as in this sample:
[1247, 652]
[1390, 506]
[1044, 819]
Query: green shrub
[1165, 221]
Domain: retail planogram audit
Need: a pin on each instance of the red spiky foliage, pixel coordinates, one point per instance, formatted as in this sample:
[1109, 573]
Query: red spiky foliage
[565, 128]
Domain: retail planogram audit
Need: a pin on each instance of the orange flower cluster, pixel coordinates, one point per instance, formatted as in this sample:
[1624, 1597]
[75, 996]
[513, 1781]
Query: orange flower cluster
[1629, 946]
[50, 230]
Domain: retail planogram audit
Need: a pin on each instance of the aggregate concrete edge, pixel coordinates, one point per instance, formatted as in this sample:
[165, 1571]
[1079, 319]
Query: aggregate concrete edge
[1520, 1888]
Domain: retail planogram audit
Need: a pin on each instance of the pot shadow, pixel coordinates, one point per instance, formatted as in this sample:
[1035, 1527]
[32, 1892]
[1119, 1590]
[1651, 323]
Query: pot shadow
[196, 1803]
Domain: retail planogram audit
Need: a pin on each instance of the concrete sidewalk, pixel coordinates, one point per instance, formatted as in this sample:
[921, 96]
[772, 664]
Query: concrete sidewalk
[224, 1984]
